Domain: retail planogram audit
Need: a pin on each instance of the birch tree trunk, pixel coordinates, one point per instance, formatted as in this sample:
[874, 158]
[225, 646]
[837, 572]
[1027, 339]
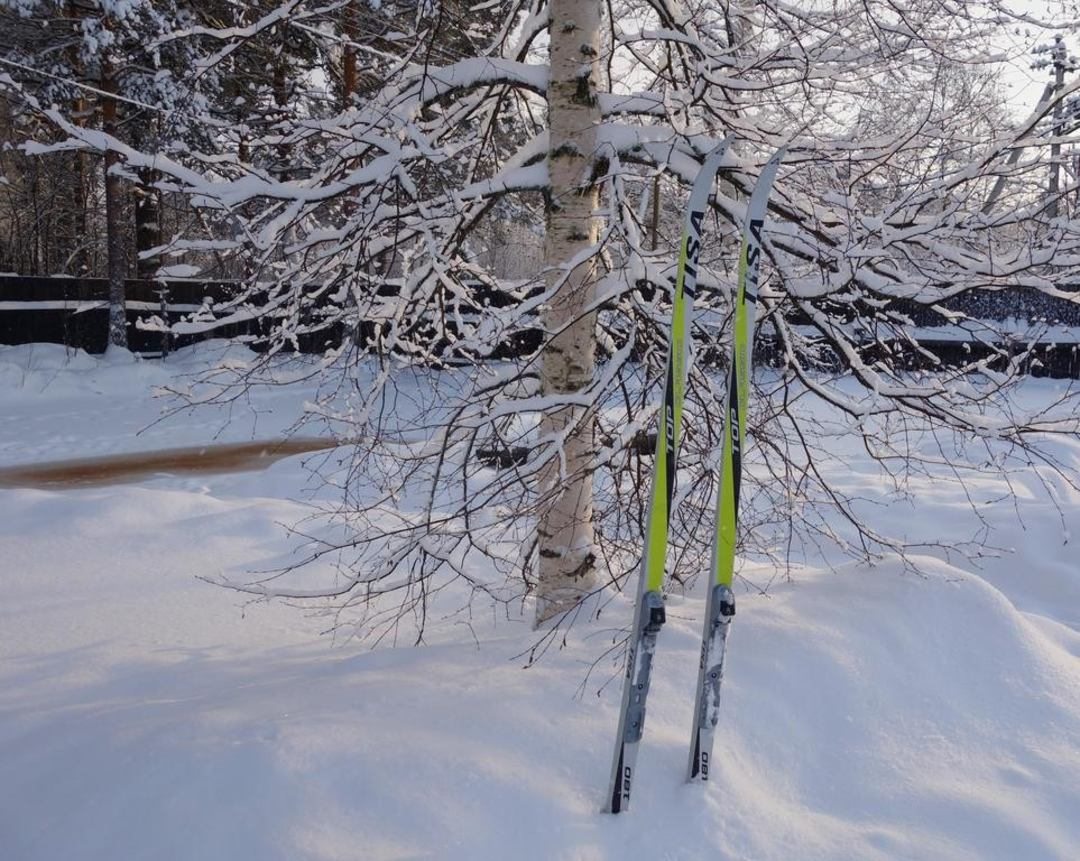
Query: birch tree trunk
[567, 557]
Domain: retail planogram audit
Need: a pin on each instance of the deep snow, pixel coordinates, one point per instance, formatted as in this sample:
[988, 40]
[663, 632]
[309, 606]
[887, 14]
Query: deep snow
[868, 713]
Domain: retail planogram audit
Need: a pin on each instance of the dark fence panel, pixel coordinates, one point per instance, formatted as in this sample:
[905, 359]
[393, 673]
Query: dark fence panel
[1018, 303]
[74, 311]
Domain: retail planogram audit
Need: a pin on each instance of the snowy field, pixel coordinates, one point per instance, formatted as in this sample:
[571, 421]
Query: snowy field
[868, 712]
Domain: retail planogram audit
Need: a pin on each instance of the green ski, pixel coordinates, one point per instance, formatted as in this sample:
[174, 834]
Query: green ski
[720, 599]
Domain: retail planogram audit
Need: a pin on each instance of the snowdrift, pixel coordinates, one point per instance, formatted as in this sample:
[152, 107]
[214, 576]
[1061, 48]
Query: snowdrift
[869, 712]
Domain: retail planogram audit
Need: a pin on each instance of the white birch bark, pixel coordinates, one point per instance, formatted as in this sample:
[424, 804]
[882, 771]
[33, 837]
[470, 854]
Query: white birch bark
[567, 557]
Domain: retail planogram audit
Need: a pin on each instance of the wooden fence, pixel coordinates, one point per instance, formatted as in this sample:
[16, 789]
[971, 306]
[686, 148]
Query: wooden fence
[74, 311]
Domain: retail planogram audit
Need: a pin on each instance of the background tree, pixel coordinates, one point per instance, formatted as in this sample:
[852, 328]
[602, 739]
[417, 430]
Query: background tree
[92, 63]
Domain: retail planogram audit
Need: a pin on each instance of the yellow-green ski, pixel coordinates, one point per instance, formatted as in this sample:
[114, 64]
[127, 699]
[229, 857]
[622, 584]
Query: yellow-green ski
[720, 599]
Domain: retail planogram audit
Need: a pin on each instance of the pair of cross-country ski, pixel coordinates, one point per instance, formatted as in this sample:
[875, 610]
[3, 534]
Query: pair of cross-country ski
[720, 600]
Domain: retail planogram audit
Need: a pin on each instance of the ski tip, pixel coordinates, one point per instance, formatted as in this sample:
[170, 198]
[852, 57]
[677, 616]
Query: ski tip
[760, 195]
[779, 155]
[717, 153]
[770, 167]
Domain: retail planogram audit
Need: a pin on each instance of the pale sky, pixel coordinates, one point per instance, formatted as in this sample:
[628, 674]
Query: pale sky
[1024, 84]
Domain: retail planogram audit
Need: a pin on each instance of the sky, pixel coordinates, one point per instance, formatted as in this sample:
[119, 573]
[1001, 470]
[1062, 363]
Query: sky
[1025, 85]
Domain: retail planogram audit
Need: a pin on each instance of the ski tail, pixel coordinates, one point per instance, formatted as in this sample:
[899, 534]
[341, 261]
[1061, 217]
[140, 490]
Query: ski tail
[720, 599]
[649, 606]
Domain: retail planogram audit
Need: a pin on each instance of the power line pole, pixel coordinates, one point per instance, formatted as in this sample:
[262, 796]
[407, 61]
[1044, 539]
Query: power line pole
[1060, 57]
[1014, 156]
[1061, 62]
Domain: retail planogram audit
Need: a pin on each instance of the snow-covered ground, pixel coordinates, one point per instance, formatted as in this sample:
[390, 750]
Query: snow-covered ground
[868, 713]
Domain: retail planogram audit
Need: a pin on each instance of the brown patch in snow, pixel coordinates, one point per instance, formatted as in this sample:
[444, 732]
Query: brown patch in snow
[114, 469]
